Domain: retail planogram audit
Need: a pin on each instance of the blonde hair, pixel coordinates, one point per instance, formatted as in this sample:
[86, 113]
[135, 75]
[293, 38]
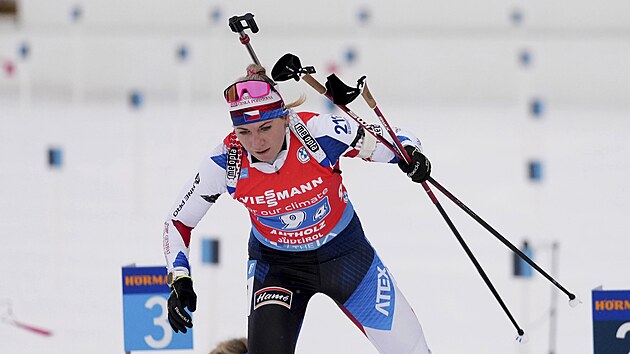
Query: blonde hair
[258, 72]
[232, 346]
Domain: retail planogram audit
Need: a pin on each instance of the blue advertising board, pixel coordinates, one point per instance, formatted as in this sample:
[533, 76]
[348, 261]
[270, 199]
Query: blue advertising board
[145, 314]
[611, 321]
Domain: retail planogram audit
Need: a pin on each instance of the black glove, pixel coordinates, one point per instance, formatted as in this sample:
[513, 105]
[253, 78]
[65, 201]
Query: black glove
[420, 167]
[182, 295]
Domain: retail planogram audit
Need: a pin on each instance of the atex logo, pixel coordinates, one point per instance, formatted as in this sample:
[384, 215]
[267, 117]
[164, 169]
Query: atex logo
[384, 291]
[273, 296]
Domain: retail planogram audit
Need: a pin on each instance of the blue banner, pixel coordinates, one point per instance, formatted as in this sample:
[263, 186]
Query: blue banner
[611, 321]
[145, 313]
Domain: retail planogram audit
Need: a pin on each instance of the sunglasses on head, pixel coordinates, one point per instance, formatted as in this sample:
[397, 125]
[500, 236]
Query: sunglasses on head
[254, 88]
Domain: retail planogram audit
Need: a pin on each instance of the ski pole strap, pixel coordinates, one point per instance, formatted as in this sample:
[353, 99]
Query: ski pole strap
[340, 92]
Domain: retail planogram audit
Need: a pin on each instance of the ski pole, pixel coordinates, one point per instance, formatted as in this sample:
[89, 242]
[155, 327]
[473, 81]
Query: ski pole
[449, 195]
[371, 102]
[239, 24]
[398, 146]
[480, 270]
[369, 99]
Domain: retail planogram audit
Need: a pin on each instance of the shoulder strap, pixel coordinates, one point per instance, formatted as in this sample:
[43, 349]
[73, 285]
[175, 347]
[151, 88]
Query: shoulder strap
[233, 164]
[298, 127]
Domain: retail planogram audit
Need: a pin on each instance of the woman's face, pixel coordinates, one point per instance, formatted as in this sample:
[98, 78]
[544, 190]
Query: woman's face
[263, 139]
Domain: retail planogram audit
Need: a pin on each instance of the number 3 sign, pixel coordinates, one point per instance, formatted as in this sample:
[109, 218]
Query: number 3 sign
[145, 313]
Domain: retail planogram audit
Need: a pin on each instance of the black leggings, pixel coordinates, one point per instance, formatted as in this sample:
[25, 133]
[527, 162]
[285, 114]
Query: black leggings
[284, 282]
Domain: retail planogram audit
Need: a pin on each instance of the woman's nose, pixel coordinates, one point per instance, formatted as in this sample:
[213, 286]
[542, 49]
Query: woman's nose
[258, 139]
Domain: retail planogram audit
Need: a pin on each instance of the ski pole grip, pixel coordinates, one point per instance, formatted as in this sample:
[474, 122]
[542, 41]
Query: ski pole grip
[367, 96]
[314, 83]
[237, 25]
